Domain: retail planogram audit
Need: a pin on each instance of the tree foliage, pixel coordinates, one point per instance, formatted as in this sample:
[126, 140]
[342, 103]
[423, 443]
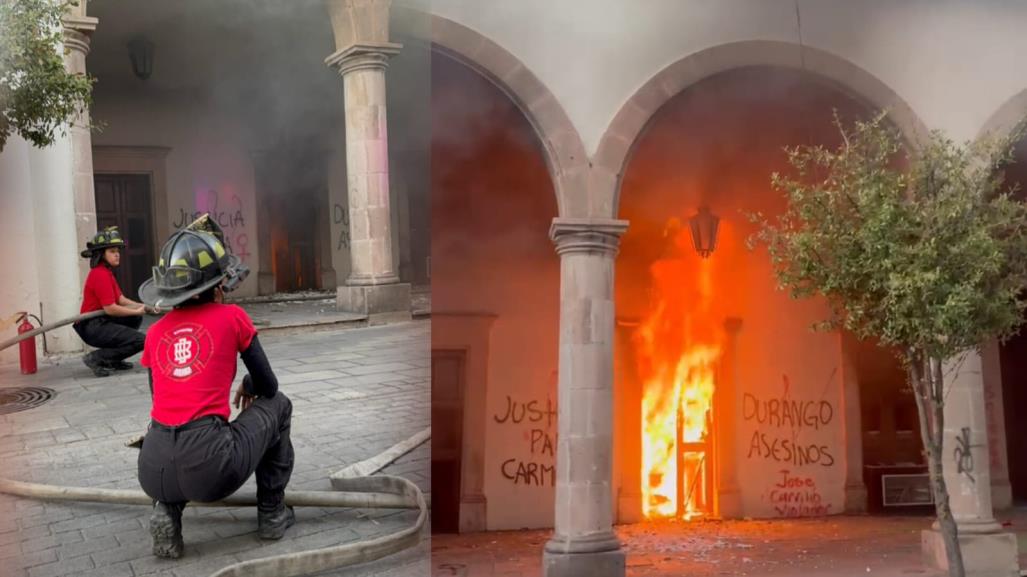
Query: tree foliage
[922, 247]
[37, 95]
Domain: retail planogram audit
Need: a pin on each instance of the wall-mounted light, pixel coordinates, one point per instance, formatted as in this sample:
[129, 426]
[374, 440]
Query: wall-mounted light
[704, 231]
[140, 50]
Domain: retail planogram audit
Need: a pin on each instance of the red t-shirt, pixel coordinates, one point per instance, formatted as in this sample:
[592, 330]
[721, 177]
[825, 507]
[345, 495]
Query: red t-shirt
[193, 352]
[101, 289]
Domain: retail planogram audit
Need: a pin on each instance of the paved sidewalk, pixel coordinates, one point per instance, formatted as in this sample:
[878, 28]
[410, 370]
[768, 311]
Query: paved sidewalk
[355, 393]
[839, 546]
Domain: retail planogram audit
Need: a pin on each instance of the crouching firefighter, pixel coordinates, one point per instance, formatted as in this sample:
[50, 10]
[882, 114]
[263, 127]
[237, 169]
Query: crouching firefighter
[116, 333]
[191, 451]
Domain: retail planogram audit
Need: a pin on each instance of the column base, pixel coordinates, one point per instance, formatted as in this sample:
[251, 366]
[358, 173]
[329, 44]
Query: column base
[856, 498]
[265, 283]
[382, 304]
[629, 507]
[328, 279]
[984, 555]
[472, 513]
[598, 564]
[729, 503]
[1001, 495]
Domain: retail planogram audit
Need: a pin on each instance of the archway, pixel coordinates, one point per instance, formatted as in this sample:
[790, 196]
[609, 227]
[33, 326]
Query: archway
[561, 145]
[622, 134]
[1013, 371]
[495, 300]
[717, 371]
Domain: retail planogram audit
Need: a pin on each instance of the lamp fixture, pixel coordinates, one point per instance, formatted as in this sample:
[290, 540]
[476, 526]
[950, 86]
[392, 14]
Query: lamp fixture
[704, 231]
[140, 51]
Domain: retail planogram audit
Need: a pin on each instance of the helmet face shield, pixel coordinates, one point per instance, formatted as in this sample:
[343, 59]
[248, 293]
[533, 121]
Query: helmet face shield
[192, 260]
[176, 277]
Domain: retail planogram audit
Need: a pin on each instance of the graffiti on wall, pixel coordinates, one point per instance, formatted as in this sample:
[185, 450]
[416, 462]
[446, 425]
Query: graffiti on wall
[963, 454]
[779, 421]
[536, 420]
[789, 431]
[228, 216]
[797, 496]
[340, 217]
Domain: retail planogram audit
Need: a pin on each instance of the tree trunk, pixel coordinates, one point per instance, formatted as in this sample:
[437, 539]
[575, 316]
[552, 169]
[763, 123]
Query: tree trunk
[927, 381]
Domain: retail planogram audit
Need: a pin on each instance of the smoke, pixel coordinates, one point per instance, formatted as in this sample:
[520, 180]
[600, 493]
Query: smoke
[242, 97]
[492, 197]
[717, 144]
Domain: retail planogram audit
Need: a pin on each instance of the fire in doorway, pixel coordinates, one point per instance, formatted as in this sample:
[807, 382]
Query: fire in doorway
[678, 345]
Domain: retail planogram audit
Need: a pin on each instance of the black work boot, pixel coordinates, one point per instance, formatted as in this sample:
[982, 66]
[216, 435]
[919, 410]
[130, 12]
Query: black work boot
[96, 365]
[273, 520]
[166, 530]
[118, 366]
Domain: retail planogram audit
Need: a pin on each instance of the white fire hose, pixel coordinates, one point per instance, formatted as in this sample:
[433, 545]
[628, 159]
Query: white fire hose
[366, 492]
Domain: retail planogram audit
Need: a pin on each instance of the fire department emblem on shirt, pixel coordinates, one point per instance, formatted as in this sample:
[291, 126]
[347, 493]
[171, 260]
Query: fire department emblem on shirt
[185, 351]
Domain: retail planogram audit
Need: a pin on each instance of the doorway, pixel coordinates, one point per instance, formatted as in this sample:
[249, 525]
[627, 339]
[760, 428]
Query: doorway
[125, 201]
[1013, 362]
[292, 220]
[294, 240]
[447, 417]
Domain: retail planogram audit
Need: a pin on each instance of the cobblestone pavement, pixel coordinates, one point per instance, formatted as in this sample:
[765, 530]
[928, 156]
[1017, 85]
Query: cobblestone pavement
[355, 393]
[845, 546]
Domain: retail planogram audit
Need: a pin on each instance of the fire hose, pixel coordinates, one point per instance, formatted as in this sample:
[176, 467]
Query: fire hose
[47, 328]
[362, 492]
[371, 492]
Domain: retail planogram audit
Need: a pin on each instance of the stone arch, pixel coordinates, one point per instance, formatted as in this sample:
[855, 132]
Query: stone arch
[562, 147]
[627, 129]
[617, 143]
[1006, 116]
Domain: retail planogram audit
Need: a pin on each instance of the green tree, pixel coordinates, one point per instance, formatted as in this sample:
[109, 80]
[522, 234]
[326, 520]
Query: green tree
[921, 246]
[37, 95]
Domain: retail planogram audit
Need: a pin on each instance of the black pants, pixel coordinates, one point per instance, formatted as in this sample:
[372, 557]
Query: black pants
[208, 459]
[117, 338]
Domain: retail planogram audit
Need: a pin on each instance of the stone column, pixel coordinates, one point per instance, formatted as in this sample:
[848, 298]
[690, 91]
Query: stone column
[627, 423]
[726, 414]
[265, 186]
[78, 28]
[855, 487]
[362, 32]
[583, 541]
[994, 411]
[986, 549]
[328, 277]
[56, 246]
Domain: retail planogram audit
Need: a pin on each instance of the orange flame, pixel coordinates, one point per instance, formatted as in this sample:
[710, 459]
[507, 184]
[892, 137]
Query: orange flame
[677, 350]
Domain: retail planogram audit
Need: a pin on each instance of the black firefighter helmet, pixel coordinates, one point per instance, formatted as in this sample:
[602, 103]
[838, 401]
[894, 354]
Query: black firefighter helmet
[102, 240]
[192, 261]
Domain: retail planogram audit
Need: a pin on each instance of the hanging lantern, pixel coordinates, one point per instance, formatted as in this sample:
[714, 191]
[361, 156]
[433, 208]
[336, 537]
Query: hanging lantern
[140, 50]
[704, 231]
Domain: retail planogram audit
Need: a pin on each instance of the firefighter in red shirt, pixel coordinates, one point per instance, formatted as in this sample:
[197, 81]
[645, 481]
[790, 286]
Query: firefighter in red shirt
[191, 451]
[115, 334]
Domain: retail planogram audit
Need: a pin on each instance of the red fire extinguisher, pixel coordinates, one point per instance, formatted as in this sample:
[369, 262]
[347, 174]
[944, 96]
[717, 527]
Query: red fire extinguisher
[27, 347]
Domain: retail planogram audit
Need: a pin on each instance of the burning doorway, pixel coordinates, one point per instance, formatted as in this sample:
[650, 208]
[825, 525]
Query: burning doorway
[726, 404]
[293, 221]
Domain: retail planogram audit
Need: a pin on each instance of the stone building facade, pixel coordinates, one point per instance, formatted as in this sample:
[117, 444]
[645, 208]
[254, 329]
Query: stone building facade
[557, 150]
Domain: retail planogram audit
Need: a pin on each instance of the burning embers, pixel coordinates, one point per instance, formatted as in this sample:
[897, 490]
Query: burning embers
[678, 348]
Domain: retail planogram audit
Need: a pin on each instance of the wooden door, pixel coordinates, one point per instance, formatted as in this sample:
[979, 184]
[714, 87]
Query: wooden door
[124, 200]
[447, 417]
